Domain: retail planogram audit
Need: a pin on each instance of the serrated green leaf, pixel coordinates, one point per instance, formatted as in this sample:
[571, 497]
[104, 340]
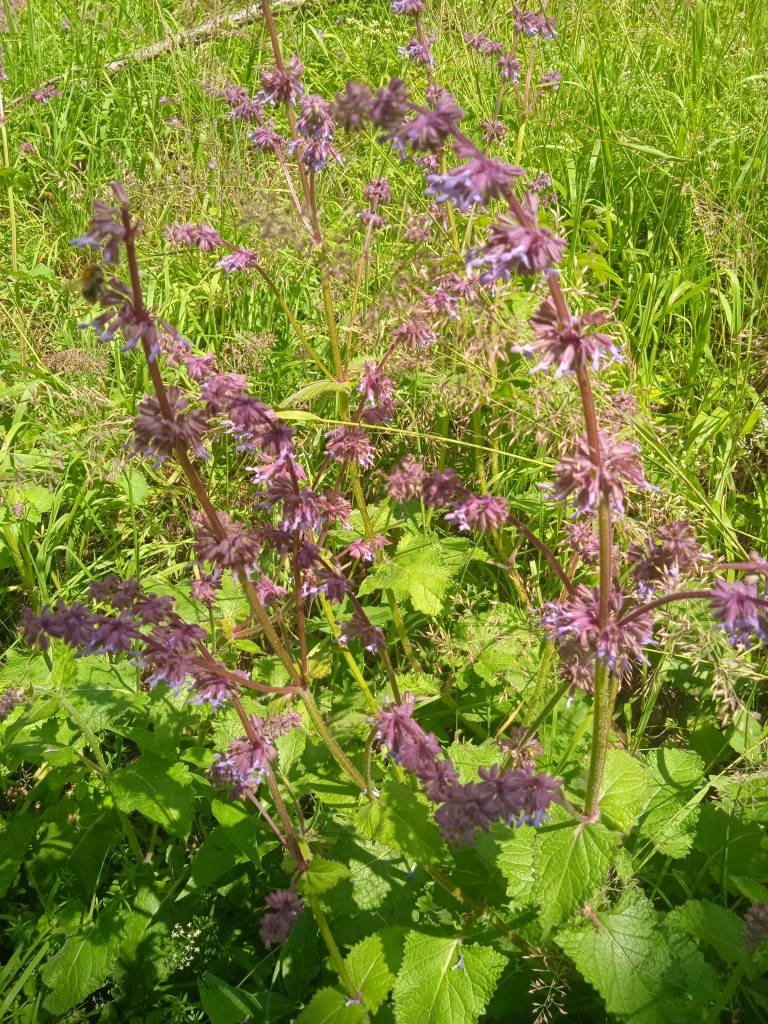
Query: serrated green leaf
[571, 862]
[239, 827]
[329, 1006]
[712, 924]
[468, 757]
[645, 974]
[14, 841]
[442, 980]
[625, 790]
[417, 572]
[515, 859]
[225, 1004]
[159, 789]
[322, 875]
[367, 966]
[668, 822]
[82, 965]
[405, 823]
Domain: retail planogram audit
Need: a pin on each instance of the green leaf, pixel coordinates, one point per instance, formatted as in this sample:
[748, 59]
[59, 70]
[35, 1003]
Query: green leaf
[645, 973]
[329, 1006]
[420, 570]
[468, 757]
[225, 1004]
[625, 790]
[217, 855]
[571, 864]
[713, 924]
[369, 971]
[515, 860]
[668, 822]
[239, 826]
[322, 875]
[161, 790]
[403, 821]
[134, 486]
[13, 845]
[82, 965]
[443, 981]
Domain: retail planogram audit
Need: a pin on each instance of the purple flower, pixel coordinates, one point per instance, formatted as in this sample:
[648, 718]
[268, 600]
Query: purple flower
[239, 259]
[373, 220]
[740, 611]
[379, 191]
[352, 108]
[374, 385]
[551, 79]
[669, 553]
[406, 482]
[238, 549]
[482, 512]
[584, 539]
[205, 238]
[568, 346]
[316, 153]
[418, 52]
[509, 68]
[45, 94]
[429, 130]
[755, 931]
[248, 109]
[493, 129]
[283, 85]
[440, 487]
[315, 120]
[479, 180]
[248, 758]
[256, 426]
[334, 508]
[366, 550]
[220, 389]
[578, 476]
[409, 745]
[264, 137]
[269, 592]
[349, 443]
[275, 928]
[359, 628]
[209, 686]
[106, 231]
[74, 624]
[282, 723]
[412, 7]
[9, 701]
[159, 437]
[205, 589]
[415, 333]
[333, 584]
[517, 248]
[440, 303]
[300, 511]
[574, 626]
[390, 105]
[27, 147]
[483, 44]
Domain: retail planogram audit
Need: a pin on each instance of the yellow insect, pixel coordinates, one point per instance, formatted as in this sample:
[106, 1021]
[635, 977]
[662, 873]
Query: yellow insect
[92, 283]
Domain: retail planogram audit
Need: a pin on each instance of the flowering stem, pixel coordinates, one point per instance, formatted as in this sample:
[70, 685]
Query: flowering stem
[333, 949]
[294, 323]
[601, 731]
[545, 551]
[354, 668]
[480, 909]
[267, 817]
[658, 602]
[541, 681]
[337, 753]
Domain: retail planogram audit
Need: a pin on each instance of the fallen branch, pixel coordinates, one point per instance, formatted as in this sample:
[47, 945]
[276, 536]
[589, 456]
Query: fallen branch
[220, 27]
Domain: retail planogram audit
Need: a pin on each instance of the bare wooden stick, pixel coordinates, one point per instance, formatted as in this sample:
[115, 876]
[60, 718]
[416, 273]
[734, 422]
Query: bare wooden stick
[217, 28]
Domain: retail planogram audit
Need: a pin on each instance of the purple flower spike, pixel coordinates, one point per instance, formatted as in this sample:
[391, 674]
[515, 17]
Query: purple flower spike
[275, 928]
[481, 512]
[738, 610]
[349, 443]
[577, 476]
[412, 7]
[240, 259]
[567, 346]
[479, 180]
[515, 248]
[283, 85]
[359, 628]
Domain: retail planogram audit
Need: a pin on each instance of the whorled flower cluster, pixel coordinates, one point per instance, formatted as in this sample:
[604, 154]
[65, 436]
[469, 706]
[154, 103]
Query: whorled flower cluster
[516, 797]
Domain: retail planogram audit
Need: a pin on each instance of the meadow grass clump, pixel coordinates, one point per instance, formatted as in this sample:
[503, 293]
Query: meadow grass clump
[382, 642]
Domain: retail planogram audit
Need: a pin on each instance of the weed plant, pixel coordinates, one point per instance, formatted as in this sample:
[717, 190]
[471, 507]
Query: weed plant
[390, 601]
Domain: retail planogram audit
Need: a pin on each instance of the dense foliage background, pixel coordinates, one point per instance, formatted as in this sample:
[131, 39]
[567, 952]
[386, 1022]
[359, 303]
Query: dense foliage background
[132, 888]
